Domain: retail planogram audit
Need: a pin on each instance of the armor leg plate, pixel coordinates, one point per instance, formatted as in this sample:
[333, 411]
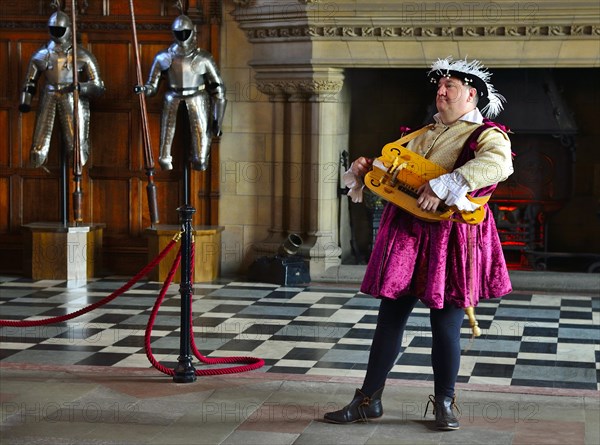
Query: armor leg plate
[199, 114]
[167, 131]
[65, 110]
[84, 129]
[43, 131]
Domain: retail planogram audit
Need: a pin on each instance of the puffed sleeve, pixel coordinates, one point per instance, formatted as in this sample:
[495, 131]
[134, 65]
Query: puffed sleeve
[493, 160]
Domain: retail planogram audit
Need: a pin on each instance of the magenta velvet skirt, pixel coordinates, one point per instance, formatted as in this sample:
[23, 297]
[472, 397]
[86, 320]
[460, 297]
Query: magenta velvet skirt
[439, 262]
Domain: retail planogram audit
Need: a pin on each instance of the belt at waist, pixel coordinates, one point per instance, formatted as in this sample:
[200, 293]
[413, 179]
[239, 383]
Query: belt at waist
[60, 87]
[189, 89]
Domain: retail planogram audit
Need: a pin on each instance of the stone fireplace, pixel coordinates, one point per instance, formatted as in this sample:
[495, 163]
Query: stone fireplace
[319, 68]
[544, 138]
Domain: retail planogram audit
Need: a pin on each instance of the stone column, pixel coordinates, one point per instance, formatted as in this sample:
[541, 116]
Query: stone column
[310, 112]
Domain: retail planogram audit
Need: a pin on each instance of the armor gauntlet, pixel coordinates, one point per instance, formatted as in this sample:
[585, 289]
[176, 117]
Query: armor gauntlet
[26, 97]
[29, 87]
[218, 103]
[89, 89]
[216, 89]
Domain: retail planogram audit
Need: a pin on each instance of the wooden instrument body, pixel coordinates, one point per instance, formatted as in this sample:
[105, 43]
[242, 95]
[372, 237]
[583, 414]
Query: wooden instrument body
[405, 171]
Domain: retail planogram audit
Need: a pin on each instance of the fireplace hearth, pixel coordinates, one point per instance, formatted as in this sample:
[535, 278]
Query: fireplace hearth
[544, 141]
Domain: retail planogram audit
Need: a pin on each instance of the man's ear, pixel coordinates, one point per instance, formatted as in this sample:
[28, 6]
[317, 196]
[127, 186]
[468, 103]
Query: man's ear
[472, 93]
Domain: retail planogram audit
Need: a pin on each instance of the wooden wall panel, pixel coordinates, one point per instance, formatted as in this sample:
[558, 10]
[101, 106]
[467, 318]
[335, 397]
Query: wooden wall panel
[4, 138]
[154, 123]
[110, 141]
[4, 47]
[113, 61]
[4, 203]
[110, 204]
[114, 180]
[40, 199]
[25, 137]
[142, 8]
[26, 9]
[169, 193]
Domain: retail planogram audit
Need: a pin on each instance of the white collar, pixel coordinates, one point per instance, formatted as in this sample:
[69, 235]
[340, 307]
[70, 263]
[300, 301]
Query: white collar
[474, 116]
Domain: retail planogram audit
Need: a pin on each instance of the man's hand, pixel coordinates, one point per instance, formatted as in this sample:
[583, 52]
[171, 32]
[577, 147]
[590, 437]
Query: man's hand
[361, 166]
[428, 200]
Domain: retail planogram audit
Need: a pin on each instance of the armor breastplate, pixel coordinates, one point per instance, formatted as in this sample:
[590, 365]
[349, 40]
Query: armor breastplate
[186, 73]
[59, 69]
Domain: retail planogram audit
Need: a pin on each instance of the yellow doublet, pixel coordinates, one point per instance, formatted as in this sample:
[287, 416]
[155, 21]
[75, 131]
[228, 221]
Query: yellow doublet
[442, 145]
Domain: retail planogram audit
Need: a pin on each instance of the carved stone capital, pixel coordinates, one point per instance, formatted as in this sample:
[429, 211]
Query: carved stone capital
[313, 85]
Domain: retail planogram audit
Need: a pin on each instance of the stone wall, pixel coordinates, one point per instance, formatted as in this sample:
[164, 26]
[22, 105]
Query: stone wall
[288, 115]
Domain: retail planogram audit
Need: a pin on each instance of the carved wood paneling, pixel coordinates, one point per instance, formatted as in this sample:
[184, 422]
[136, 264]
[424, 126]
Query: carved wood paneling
[4, 213]
[4, 132]
[114, 179]
[40, 201]
[112, 55]
[112, 153]
[4, 59]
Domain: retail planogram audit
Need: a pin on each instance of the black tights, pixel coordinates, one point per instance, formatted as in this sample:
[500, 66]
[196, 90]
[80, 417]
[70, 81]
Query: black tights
[387, 340]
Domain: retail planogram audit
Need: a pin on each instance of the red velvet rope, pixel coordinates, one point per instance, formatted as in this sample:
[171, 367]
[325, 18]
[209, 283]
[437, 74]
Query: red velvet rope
[115, 294]
[252, 362]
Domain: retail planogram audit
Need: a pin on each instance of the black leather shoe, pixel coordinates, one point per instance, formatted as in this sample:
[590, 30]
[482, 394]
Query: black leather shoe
[360, 409]
[445, 419]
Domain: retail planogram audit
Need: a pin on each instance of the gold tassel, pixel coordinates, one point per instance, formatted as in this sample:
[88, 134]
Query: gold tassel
[470, 311]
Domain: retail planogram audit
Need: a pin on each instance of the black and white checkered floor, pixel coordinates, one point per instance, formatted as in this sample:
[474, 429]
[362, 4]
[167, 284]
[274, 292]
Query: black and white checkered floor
[545, 340]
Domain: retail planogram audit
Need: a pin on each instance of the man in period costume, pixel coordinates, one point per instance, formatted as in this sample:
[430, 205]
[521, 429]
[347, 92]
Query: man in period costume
[447, 265]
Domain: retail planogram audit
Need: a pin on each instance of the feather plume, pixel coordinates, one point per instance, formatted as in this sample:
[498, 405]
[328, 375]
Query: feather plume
[494, 101]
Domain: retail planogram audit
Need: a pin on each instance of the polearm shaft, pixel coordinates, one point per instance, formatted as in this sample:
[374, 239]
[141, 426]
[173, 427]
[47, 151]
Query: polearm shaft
[77, 168]
[148, 158]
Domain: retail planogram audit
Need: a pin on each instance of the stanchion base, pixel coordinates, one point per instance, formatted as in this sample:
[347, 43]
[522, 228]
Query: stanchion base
[184, 371]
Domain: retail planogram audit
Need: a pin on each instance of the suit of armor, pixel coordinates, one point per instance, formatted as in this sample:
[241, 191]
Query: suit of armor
[193, 79]
[55, 62]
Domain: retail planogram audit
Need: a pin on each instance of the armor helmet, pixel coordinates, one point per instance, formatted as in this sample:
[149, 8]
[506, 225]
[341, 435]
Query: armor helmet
[59, 26]
[184, 31]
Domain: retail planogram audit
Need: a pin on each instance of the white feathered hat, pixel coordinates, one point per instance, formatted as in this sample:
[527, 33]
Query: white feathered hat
[474, 74]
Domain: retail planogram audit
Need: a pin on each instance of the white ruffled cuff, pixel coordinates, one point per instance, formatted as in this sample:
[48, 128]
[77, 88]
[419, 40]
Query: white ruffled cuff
[355, 185]
[452, 188]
